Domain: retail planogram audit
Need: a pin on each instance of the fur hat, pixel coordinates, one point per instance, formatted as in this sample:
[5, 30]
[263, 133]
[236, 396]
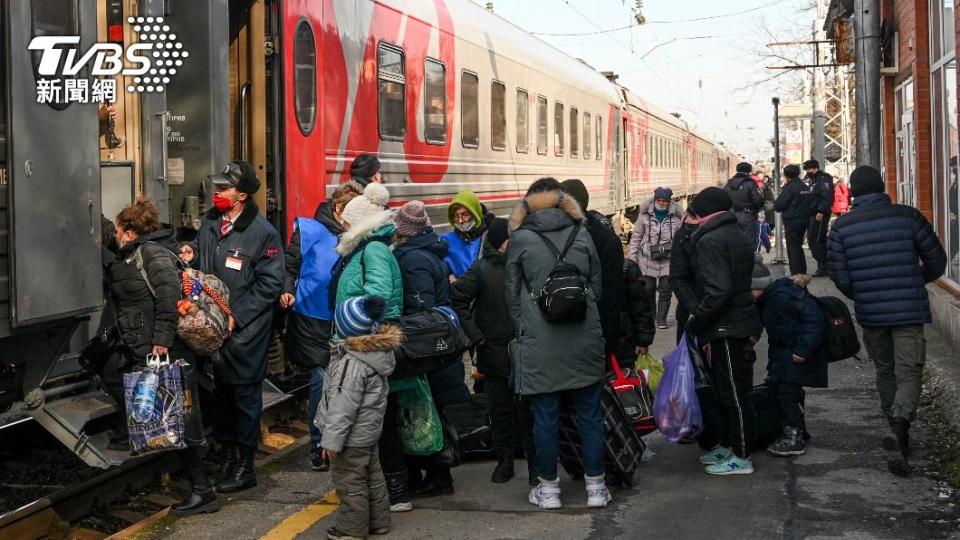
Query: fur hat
[761, 278]
[359, 315]
[411, 219]
[498, 232]
[865, 180]
[375, 197]
[710, 201]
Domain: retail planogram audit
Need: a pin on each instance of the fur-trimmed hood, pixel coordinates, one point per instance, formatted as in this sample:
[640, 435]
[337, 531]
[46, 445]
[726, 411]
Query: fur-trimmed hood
[379, 224]
[376, 349]
[545, 200]
[672, 210]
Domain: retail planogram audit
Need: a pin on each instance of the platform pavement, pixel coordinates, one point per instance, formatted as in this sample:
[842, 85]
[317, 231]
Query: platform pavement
[839, 489]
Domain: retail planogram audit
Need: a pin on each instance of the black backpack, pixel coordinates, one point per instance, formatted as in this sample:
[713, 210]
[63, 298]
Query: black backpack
[563, 297]
[840, 334]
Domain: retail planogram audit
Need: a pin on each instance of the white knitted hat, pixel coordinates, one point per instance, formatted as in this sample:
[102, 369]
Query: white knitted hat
[374, 199]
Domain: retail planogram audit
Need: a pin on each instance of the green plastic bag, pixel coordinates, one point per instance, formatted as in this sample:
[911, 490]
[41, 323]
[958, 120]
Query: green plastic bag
[653, 367]
[421, 432]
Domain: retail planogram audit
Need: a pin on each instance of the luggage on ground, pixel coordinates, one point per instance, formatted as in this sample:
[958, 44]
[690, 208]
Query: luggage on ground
[471, 421]
[676, 407]
[624, 447]
[154, 399]
[767, 416]
[632, 391]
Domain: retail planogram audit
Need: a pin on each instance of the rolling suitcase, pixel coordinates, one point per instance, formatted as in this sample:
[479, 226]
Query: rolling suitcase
[623, 446]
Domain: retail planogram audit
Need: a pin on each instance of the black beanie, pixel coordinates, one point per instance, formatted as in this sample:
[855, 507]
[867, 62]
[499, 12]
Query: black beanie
[811, 164]
[791, 171]
[865, 180]
[365, 166]
[498, 232]
[710, 201]
[744, 167]
[575, 188]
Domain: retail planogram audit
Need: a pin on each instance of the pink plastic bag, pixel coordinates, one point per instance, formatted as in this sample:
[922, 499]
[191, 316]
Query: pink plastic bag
[676, 408]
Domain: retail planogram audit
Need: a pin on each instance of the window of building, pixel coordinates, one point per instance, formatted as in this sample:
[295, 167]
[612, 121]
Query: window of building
[469, 110]
[574, 132]
[435, 102]
[392, 100]
[542, 125]
[587, 136]
[945, 137]
[599, 145]
[305, 77]
[498, 116]
[523, 122]
[557, 128]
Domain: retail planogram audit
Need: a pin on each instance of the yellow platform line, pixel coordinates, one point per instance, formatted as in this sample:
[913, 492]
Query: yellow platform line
[298, 523]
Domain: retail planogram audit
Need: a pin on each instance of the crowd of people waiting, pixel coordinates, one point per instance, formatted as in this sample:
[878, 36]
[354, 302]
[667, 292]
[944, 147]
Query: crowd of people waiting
[354, 268]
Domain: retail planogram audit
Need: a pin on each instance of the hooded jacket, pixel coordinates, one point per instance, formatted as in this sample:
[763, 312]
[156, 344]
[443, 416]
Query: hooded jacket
[795, 326]
[724, 266]
[796, 202]
[635, 319]
[841, 198]
[465, 247]
[746, 194]
[552, 357]
[355, 389]
[882, 255]
[367, 266]
[649, 232]
[254, 246]
[480, 300]
[142, 319]
[426, 282]
[683, 273]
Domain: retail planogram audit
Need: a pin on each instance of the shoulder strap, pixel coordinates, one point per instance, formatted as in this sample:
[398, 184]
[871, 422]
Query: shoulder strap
[138, 261]
[566, 247]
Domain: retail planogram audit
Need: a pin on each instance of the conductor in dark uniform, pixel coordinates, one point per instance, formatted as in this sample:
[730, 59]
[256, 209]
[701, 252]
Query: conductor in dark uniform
[821, 189]
[242, 248]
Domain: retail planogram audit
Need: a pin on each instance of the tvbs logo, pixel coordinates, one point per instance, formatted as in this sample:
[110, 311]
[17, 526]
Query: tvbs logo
[147, 65]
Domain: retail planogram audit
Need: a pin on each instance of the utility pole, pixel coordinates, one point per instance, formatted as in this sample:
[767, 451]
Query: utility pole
[819, 84]
[778, 257]
[866, 25]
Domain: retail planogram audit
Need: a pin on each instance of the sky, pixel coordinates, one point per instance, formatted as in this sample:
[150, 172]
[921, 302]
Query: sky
[711, 71]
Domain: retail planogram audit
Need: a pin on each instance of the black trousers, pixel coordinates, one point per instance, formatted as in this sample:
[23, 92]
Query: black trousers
[817, 240]
[791, 398]
[391, 452]
[239, 407]
[794, 233]
[511, 419]
[732, 376]
[654, 286]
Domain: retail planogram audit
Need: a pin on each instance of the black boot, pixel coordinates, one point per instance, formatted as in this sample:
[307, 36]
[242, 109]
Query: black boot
[436, 483]
[897, 459]
[201, 499]
[790, 443]
[663, 310]
[889, 439]
[397, 489]
[229, 464]
[504, 470]
[245, 475]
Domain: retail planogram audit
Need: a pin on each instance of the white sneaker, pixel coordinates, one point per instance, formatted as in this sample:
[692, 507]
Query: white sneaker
[598, 496]
[401, 507]
[546, 495]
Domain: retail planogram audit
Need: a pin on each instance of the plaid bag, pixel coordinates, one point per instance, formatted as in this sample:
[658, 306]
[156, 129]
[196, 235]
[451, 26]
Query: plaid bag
[167, 429]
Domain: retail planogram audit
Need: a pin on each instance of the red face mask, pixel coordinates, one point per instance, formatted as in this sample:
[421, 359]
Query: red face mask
[222, 204]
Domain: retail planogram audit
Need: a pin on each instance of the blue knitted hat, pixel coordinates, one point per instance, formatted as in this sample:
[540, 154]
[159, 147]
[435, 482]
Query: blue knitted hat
[360, 315]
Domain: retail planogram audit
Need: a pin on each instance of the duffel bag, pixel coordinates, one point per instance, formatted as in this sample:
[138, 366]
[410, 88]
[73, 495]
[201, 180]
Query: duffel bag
[432, 340]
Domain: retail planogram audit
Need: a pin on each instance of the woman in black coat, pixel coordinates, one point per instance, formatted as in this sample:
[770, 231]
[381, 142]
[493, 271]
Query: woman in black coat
[144, 288]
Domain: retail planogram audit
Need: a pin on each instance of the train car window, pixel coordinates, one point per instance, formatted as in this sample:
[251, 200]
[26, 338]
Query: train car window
[305, 77]
[523, 122]
[574, 132]
[542, 125]
[587, 135]
[54, 18]
[498, 116]
[557, 128]
[599, 137]
[392, 106]
[469, 110]
[434, 102]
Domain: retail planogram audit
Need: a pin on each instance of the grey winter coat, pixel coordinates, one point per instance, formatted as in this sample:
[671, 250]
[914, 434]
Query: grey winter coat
[355, 389]
[552, 357]
[648, 232]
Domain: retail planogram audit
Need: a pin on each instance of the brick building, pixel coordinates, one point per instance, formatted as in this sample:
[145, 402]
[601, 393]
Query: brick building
[920, 125]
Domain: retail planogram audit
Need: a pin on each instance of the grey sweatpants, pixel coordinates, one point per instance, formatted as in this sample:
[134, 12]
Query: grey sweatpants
[899, 354]
[362, 489]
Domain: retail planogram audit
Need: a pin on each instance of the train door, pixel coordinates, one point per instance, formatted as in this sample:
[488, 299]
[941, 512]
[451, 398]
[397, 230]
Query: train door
[52, 172]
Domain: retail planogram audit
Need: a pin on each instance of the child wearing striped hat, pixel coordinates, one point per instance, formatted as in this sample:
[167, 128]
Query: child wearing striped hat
[351, 415]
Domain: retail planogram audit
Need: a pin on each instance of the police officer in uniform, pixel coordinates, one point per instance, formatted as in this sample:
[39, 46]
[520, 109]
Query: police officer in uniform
[821, 188]
[242, 248]
[747, 202]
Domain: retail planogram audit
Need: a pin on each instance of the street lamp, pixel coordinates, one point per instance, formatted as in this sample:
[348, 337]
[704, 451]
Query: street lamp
[778, 257]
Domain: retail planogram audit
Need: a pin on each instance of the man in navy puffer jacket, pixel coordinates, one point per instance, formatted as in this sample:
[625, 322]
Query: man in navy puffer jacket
[882, 255]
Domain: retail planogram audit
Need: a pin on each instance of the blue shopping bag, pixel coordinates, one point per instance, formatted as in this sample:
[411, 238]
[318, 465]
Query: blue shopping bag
[165, 428]
[676, 408]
